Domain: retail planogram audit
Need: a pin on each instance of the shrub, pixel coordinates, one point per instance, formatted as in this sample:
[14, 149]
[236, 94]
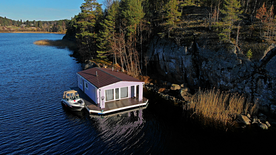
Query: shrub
[249, 54]
[146, 79]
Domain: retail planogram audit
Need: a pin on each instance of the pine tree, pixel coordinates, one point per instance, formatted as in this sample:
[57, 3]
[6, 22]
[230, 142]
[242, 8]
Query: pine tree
[172, 15]
[231, 10]
[249, 54]
[107, 33]
[133, 13]
[86, 28]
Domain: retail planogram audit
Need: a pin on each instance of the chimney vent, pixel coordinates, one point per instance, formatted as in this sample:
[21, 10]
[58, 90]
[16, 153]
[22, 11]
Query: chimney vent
[96, 73]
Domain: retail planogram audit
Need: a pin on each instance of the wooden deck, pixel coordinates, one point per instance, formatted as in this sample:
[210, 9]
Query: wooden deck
[111, 106]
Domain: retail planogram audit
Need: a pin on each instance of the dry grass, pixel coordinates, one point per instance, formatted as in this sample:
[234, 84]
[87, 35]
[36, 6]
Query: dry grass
[160, 90]
[58, 43]
[218, 109]
[146, 79]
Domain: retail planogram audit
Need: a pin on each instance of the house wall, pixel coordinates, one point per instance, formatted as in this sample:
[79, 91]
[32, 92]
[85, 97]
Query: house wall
[120, 85]
[98, 95]
[88, 88]
[80, 82]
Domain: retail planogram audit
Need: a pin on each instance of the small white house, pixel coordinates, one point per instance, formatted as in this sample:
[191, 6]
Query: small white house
[104, 85]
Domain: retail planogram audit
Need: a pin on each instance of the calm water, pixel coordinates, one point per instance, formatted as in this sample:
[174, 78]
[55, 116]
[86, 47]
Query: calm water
[32, 120]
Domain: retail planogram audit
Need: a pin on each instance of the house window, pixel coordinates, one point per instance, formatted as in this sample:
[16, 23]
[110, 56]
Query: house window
[109, 94]
[124, 92]
[86, 85]
[116, 93]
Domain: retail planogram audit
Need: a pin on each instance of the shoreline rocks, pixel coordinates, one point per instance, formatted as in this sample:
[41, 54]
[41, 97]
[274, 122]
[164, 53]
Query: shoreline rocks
[260, 121]
[225, 69]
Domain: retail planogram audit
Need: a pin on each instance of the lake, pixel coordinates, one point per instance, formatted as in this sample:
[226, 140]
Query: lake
[33, 121]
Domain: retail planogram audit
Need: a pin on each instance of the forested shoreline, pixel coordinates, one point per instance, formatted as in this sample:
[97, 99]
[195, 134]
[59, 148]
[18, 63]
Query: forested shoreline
[122, 32]
[9, 25]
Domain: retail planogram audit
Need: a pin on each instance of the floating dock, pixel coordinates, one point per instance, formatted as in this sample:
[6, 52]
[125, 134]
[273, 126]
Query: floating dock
[111, 106]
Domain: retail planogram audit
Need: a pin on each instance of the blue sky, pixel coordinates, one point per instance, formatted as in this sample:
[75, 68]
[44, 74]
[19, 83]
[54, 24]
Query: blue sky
[44, 10]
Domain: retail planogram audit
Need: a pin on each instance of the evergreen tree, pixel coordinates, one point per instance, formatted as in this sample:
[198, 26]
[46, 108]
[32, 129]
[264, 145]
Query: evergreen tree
[231, 10]
[39, 24]
[133, 13]
[249, 54]
[27, 23]
[172, 15]
[107, 33]
[85, 26]
[131, 16]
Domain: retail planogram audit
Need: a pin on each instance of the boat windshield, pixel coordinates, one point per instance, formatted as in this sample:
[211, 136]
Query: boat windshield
[71, 95]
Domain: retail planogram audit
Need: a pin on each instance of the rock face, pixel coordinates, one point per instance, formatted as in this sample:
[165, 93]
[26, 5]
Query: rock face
[171, 61]
[224, 69]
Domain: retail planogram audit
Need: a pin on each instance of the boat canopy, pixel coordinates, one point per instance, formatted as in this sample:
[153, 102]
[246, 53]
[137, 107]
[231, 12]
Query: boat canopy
[69, 94]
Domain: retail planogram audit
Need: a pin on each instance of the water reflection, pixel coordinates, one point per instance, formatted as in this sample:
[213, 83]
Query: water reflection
[120, 122]
[79, 114]
[121, 132]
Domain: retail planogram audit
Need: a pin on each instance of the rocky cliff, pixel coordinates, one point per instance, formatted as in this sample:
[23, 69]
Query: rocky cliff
[225, 69]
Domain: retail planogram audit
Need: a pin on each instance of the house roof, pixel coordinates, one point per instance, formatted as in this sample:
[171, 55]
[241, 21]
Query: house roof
[105, 76]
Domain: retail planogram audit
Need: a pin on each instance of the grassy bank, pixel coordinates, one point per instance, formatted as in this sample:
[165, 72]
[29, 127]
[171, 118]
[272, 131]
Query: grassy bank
[24, 29]
[58, 43]
[216, 109]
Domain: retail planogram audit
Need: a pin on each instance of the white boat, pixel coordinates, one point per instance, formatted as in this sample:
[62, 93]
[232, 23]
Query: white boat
[72, 100]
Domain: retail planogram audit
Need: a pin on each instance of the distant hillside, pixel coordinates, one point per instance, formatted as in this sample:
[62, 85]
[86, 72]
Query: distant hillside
[9, 25]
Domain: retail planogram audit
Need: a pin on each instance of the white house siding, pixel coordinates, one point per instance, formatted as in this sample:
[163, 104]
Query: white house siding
[122, 84]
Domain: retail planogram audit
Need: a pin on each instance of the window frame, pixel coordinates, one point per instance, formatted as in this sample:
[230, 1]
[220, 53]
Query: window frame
[123, 93]
[106, 92]
[86, 85]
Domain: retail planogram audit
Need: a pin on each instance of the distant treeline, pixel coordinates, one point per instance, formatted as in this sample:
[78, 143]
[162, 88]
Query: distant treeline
[19, 25]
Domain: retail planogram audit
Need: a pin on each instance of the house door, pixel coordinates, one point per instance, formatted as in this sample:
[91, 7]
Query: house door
[137, 91]
[132, 91]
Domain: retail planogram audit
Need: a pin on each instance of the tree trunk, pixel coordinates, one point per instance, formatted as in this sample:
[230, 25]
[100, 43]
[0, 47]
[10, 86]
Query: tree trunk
[218, 11]
[141, 44]
[237, 39]
[254, 9]
[246, 7]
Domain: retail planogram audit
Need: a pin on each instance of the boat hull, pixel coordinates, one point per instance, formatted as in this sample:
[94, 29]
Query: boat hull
[72, 107]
